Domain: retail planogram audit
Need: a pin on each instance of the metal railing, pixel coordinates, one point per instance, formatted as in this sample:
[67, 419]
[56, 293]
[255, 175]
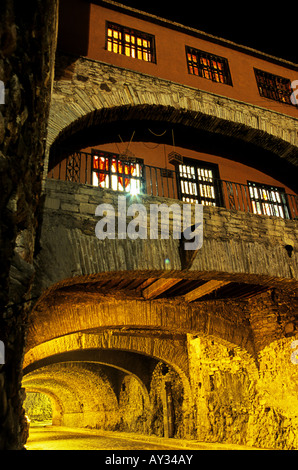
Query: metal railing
[161, 182]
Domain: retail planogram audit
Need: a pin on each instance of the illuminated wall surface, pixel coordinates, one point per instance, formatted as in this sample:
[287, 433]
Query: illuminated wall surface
[129, 330]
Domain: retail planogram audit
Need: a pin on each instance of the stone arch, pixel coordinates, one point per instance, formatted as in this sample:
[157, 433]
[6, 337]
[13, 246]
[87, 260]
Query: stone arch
[123, 361]
[65, 397]
[140, 358]
[63, 314]
[168, 351]
[83, 394]
[272, 148]
[131, 95]
[57, 408]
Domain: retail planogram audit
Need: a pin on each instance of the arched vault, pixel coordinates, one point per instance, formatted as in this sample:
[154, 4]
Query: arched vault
[133, 96]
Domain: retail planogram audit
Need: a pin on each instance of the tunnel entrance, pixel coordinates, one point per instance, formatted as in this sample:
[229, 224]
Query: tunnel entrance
[128, 381]
[38, 408]
[98, 396]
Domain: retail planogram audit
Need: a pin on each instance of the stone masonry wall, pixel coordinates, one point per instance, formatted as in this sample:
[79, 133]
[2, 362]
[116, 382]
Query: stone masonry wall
[237, 245]
[27, 39]
[85, 90]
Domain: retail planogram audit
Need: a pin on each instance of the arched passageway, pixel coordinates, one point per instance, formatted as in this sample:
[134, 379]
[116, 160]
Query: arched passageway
[90, 394]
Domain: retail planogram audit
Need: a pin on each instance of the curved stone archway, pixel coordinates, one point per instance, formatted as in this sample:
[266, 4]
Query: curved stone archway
[91, 347]
[64, 397]
[140, 367]
[56, 403]
[149, 324]
[49, 364]
[81, 392]
[74, 322]
[128, 95]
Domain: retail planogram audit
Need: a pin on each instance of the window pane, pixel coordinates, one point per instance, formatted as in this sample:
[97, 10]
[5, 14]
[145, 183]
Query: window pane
[122, 40]
[191, 183]
[268, 200]
[273, 87]
[208, 66]
[109, 171]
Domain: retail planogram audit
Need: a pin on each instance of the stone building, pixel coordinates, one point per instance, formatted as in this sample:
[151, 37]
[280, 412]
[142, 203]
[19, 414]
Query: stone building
[138, 333]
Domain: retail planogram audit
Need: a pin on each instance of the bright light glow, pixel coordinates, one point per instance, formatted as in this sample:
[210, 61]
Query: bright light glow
[134, 187]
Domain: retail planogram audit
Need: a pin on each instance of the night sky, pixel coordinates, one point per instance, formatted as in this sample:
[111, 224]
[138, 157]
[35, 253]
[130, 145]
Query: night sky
[269, 27]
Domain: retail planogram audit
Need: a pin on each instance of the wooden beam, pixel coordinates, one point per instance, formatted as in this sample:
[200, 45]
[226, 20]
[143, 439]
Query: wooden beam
[205, 289]
[158, 287]
[145, 283]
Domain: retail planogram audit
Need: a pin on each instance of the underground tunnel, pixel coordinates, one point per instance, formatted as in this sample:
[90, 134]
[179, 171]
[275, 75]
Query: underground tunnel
[97, 396]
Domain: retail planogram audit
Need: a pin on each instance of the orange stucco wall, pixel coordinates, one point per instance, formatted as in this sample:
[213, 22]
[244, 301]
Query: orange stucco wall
[83, 30]
[157, 155]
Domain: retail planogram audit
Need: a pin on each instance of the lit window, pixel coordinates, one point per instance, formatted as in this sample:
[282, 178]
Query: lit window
[274, 87]
[130, 42]
[268, 200]
[199, 183]
[112, 172]
[208, 66]
[114, 42]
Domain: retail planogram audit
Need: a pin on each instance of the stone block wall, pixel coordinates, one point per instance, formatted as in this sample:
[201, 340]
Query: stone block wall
[88, 92]
[237, 246]
[28, 40]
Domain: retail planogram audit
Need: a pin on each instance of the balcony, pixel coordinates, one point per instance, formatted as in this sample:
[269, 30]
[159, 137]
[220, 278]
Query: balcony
[129, 175]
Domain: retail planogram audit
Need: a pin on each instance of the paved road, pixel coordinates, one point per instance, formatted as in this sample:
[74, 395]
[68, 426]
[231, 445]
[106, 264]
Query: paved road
[56, 438]
[47, 437]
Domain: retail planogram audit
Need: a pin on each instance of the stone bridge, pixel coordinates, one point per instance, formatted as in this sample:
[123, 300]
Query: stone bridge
[140, 334]
[137, 335]
[116, 309]
[88, 93]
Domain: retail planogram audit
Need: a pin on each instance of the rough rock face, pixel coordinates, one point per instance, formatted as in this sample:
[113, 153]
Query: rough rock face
[238, 402]
[27, 46]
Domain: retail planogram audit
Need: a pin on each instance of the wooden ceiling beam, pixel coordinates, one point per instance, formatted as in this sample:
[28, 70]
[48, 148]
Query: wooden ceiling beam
[205, 289]
[158, 287]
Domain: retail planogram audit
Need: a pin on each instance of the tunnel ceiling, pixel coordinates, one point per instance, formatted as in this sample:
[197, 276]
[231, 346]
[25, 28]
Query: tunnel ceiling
[64, 373]
[133, 288]
[113, 363]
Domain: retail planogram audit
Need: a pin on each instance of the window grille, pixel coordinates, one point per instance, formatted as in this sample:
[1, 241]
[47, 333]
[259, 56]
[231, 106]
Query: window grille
[198, 183]
[112, 172]
[268, 200]
[208, 66]
[274, 87]
[130, 42]
[73, 167]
